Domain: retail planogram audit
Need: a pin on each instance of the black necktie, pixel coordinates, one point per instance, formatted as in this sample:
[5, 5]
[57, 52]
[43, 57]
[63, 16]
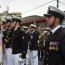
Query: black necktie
[49, 36]
[50, 32]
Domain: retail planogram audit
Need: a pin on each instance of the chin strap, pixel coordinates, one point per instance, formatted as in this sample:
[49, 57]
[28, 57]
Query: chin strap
[53, 22]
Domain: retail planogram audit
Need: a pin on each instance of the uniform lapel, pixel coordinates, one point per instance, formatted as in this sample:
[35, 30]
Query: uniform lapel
[55, 34]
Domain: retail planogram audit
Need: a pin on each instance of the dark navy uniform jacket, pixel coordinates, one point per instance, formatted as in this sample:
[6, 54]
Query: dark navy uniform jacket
[55, 48]
[34, 40]
[7, 38]
[18, 44]
[27, 39]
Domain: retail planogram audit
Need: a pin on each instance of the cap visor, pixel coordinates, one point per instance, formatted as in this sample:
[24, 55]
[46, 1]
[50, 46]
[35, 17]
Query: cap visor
[47, 14]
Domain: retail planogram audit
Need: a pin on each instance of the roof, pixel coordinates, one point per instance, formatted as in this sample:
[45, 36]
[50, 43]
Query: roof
[31, 19]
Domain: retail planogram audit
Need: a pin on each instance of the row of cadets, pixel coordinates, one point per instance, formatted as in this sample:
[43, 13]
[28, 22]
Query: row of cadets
[7, 57]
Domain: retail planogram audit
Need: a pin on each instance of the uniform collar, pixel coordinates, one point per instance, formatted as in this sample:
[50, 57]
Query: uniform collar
[57, 27]
[33, 31]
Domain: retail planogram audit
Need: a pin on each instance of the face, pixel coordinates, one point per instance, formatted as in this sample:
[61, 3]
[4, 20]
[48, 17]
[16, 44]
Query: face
[50, 20]
[4, 26]
[32, 28]
[7, 24]
[26, 29]
[29, 30]
[12, 25]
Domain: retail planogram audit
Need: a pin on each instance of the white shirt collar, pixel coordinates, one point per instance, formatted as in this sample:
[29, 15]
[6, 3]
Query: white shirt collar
[53, 30]
[33, 31]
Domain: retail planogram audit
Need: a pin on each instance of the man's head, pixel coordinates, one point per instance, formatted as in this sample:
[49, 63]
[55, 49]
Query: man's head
[8, 21]
[33, 27]
[25, 28]
[54, 16]
[4, 24]
[16, 21]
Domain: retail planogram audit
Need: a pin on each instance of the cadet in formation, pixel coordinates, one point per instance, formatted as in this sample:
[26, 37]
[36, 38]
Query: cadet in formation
[33, 46]
[27, 40]
[55, 42]
[7, 42]
[18, 43]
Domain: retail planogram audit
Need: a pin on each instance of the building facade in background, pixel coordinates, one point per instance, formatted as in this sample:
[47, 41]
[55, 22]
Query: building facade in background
[6, 13]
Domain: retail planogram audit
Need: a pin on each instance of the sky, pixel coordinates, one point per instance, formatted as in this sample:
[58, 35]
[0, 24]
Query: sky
[30, 7]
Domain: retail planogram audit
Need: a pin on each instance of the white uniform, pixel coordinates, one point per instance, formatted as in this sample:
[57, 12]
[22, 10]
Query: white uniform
[32, 58]
[17, 60]
[9, 56]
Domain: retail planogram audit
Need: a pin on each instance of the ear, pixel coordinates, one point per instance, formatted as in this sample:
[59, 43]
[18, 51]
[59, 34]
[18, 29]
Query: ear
[57, 20]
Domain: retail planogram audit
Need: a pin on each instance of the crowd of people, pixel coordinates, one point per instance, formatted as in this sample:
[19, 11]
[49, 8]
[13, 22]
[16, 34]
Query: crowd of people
[25, 45]
[20, 43]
